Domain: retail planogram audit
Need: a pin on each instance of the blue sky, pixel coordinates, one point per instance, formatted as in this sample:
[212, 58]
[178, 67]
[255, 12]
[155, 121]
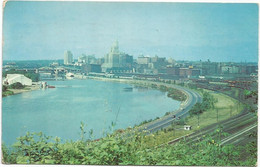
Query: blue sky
[183, 31]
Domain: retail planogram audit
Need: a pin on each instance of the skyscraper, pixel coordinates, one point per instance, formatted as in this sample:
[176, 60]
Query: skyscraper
[68, 58]
[116, 60]
[112, 58]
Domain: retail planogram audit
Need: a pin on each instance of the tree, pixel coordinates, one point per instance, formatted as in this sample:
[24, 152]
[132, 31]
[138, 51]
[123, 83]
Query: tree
[197, 108]
[4, 88]
[16, 85]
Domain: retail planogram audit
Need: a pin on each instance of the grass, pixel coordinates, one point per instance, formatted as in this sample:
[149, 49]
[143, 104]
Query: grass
[7, 93]
[26, 88]
[226, 107]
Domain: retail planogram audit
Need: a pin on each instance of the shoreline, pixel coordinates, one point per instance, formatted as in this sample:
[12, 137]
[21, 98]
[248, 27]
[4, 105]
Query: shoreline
[148, 83]
[19, 91]
[145, 83]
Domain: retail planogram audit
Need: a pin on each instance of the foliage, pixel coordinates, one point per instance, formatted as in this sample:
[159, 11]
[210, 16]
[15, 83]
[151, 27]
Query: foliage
[163, 88]
[207, 103]
[172, 93]
[252, 146]
[251, 96]
[115, 149]
[4, 88]
[147, 121]
[7, 93]
[16, 85]
[249, 93]
[167, 113]
[192, 86]
[176, 94]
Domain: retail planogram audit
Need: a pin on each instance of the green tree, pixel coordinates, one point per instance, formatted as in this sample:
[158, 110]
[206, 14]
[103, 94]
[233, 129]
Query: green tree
[4, 88]
[16, 85]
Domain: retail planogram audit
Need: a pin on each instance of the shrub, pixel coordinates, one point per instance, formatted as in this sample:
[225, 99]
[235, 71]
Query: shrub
[4, 88]
[36, 148]
[16, 85]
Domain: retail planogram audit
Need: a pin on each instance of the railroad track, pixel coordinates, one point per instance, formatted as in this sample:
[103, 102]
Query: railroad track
[231, 126]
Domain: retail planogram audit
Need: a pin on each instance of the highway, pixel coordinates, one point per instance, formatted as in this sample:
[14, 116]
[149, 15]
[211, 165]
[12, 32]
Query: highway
[183, 111]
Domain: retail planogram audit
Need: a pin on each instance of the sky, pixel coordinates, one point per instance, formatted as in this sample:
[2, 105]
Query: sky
[220, 32]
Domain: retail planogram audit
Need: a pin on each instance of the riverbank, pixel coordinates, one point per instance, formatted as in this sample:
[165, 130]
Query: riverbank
[173, 92]
[10, 92]
[225, 108]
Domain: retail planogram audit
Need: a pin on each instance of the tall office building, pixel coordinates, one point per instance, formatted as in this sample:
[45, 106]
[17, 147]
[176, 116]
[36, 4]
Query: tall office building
[68, 58]
[116, 60]
[112, 58]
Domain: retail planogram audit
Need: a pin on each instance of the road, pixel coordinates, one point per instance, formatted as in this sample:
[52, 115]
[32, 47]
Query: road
[183, 111]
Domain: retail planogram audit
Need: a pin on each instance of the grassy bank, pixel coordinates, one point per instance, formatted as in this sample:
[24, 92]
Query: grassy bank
[9, 92]
[225, 107]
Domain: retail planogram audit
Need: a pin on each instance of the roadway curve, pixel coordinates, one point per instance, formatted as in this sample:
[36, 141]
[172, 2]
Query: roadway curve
[183, 111]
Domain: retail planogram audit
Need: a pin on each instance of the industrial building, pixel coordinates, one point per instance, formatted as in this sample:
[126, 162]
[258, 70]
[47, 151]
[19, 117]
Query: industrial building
[14, 78]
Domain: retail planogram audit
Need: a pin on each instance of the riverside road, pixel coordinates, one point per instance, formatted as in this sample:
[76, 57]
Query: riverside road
[182, 112]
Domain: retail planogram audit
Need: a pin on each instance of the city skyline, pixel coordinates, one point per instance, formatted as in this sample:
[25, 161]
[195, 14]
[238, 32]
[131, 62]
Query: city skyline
[191, 31]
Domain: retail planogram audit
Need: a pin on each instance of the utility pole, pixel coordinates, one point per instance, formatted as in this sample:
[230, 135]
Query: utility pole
[230, 110]
[217, 114]
[237, 106]
[198, 119]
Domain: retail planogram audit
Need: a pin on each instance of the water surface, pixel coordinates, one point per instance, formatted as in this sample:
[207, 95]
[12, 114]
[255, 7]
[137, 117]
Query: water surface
[59, 111]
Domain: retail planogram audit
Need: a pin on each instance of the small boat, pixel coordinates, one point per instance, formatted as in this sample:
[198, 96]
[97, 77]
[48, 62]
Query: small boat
[49, 86]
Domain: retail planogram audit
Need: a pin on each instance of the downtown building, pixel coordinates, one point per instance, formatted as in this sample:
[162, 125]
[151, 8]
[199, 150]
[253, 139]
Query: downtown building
[68, 58]
[151, 65]
[116, 61]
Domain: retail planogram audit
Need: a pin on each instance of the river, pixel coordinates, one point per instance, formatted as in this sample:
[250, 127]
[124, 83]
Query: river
[59, 111]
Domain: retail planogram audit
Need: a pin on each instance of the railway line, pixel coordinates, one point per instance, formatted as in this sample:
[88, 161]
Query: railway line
[238, 128]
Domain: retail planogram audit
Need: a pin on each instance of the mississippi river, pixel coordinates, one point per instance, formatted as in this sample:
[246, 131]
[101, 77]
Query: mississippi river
[59, 111]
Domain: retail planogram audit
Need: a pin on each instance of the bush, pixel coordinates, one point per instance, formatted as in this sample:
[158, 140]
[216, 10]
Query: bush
[7, 93]
[36, 148]
[16, 85]
[4, 88]
[207, 103]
